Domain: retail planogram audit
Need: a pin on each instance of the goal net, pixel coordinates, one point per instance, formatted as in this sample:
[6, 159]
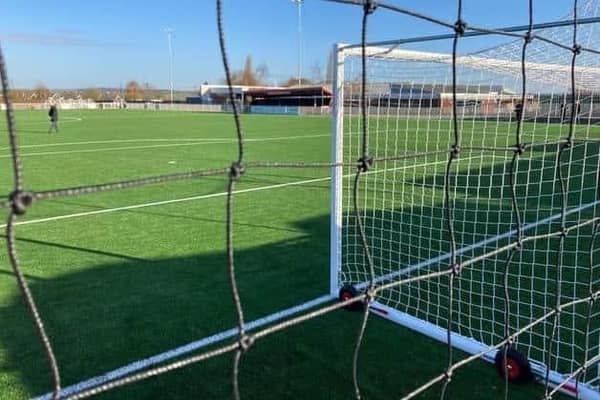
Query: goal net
[505, 207]
[465, 206]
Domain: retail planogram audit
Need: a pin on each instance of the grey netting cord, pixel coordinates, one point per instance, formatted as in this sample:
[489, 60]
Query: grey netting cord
[20, 199]
[459, 30]
[365, 163]
[235, 173]
[518, 151]
[563, 183]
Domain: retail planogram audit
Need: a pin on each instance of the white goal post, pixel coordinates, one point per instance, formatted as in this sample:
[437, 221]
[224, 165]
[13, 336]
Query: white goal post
[409, 102]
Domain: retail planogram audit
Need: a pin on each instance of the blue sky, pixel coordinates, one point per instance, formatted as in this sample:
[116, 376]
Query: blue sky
[74, 43]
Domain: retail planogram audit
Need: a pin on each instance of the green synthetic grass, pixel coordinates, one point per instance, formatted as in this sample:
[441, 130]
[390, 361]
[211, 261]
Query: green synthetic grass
[120, 286]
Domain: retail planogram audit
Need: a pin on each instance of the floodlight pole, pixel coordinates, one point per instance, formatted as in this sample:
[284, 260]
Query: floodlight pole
[169, 33]
[299, 4]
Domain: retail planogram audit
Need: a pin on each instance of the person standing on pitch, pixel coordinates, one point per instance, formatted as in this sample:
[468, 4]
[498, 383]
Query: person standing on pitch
[53, 114]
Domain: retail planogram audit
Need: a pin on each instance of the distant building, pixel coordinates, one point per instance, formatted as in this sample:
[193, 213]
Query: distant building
[310, 96]
[305, 96]
[484, 99]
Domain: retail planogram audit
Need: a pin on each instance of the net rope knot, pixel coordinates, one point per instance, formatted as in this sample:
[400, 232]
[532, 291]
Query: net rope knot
[455, 151]
[20, 201]
[563, 232]
[370, 6]
[236, 171]
[558, 310]
[245, 342]
[584, 369]
[577, 49]
[370, 295]
[460, 27]
[364, 163]
[456, 268]
[529, 36]
[448, 375]
[520, 148]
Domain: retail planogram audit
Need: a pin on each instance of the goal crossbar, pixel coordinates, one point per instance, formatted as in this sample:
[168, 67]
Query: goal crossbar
[588, 77]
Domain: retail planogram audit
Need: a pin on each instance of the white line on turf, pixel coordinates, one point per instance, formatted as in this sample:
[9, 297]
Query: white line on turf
[206, 196]
[63, 120]
[197, 143]
[194, 346]
[83, 143]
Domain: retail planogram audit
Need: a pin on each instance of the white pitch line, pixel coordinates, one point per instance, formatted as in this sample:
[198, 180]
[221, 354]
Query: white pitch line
[197, 143]
[155, 140]
[206, 196]
[64, 120]
[172, 201]
[49, 153]
[114, 141]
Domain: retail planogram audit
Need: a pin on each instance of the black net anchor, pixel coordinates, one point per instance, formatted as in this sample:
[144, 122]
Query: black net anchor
[364, 163]
[577, 49]
[370, 6]
[520, 149]
[236, 171]
[20, 201]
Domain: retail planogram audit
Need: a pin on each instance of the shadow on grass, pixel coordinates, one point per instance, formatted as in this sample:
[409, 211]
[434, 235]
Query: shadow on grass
[105, 316]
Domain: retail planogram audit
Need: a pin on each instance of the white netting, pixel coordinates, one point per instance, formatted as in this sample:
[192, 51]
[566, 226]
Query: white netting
[409, 99]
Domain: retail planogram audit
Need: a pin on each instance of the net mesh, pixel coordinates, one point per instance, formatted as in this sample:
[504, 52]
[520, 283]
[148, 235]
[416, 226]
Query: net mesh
[472, 204]
[410, 112]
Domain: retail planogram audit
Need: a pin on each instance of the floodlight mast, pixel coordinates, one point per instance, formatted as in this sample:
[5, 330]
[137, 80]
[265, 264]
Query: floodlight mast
[299, 4]
[169, 32]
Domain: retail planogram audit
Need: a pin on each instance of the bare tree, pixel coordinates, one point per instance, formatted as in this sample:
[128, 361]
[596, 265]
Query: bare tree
[262, 74]
[133, 91]
[92, 93]
[293, 81]
[248, 76]
[40, 94]
[316, 74]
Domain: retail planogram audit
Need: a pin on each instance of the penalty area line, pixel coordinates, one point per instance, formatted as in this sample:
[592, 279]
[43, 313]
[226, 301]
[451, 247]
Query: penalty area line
[187, 143]
[208, 196]
[164, 202]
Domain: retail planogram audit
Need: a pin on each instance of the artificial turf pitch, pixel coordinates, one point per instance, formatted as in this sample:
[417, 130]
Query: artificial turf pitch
[115, 286]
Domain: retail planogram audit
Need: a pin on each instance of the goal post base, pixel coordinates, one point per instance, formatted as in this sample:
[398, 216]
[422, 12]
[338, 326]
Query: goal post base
[472, 346]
